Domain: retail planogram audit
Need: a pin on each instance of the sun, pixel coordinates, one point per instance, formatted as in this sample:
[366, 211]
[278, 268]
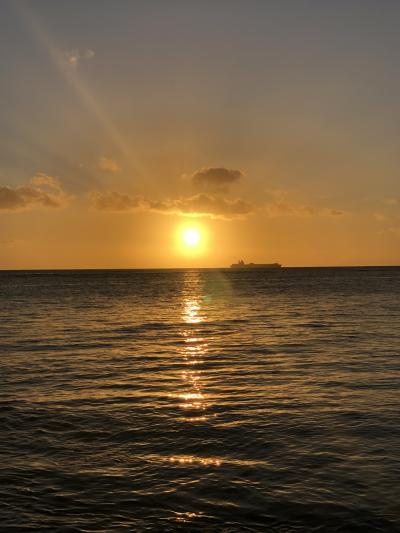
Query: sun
[191, 237]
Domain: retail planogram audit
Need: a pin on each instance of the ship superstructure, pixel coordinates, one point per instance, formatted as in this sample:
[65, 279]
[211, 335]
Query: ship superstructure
[242, 264]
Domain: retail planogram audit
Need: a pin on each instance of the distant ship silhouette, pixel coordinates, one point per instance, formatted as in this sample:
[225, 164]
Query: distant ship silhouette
[242, 264]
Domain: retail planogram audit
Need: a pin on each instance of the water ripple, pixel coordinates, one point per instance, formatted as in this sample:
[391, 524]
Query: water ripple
[200, 400]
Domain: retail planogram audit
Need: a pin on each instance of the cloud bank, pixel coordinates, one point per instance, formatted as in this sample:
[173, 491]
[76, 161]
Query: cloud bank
[212, 200]
[214, 206]
[43, 191]
[209, 201]
[202, 205]
[279, 209]
[280, 205]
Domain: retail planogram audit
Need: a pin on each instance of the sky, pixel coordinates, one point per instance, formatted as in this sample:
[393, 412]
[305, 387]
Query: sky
[270, 127]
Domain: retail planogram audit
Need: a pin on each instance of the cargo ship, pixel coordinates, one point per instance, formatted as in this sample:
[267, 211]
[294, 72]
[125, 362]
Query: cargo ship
[242, 264]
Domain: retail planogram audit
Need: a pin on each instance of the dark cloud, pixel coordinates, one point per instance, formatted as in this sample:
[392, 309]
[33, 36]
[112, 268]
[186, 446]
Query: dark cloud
[215, 180]
[43, 191]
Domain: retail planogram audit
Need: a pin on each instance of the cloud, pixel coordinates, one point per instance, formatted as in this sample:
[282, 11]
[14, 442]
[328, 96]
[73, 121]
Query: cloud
[115, 201]
[43, 179]
[214, 206]
[43, 191]
[280, 208]
[11, 242]
[108, 165]
[73, 57]
[391, 231]
[395, 200]
[202, 205]
[215, 180]
[209, 200]
[280, 205]
[89, 54]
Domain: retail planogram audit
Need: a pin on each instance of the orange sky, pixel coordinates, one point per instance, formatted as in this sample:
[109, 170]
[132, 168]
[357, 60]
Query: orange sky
[271, 127]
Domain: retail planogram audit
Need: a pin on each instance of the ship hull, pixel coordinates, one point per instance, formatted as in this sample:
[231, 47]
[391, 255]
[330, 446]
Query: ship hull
[271, 266]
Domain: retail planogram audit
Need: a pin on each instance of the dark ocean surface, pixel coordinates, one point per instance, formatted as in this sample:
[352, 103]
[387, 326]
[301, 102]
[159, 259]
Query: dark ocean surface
[200, 400]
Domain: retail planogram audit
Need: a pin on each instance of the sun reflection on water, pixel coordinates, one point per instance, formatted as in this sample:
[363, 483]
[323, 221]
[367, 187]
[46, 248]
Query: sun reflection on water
[191, 397]
[194, 351]
[184, 460]
[191, 311]
[187, 517]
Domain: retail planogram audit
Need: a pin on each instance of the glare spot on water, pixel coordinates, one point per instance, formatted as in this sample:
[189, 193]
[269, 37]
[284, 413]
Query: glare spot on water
[189, 459]
[187, 517]
[191, 396]
[191, 311]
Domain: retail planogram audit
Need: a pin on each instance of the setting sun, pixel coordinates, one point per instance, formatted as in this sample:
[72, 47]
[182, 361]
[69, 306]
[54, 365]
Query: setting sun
[191, 237]
[191, 240]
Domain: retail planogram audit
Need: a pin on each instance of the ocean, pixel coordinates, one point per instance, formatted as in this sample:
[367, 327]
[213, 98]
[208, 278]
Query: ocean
[200, 400]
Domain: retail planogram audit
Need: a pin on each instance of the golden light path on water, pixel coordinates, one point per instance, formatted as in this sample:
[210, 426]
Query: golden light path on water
[193, 400]
[195, 350]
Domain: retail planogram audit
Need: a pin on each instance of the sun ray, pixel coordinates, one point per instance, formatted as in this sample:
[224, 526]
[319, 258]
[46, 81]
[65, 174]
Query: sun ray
[83, 92]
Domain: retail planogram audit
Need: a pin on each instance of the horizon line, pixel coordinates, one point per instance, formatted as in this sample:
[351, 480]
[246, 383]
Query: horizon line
[63, 269]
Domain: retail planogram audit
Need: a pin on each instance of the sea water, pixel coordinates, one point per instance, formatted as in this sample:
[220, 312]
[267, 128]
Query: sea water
[200, 400]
